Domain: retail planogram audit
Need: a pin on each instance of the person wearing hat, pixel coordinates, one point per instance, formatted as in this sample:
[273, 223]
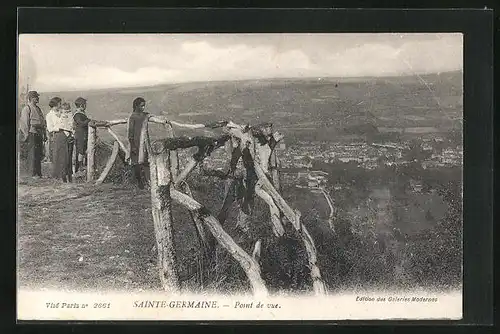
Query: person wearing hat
[33, 127]
[81, 124]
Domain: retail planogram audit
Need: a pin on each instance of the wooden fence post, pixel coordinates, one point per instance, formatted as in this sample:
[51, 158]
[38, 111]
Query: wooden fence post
[174, 155]
[161, 182]
[91, 153]
[161, 209]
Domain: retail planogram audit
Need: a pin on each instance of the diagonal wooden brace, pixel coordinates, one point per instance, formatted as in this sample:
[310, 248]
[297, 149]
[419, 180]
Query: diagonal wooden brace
[109, 164]
[247, 262]
[122, 145]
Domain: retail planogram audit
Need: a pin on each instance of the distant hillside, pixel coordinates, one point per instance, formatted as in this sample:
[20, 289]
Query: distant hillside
[324, 107]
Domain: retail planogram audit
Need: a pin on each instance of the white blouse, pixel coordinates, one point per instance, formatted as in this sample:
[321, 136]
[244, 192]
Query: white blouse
[64, 122]
[51, 120]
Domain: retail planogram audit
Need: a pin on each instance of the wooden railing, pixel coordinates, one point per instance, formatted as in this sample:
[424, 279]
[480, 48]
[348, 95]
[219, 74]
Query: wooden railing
[91, 147]
[168, 184]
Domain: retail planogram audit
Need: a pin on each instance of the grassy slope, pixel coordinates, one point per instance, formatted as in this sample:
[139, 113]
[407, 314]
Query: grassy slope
[80, 237]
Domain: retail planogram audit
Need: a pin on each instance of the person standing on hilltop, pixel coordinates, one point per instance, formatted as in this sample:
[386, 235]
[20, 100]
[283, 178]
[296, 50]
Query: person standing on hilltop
[51, 118]
[23, 146]
[63, 144]
[33, 127]
[134, 126]
[81, 131]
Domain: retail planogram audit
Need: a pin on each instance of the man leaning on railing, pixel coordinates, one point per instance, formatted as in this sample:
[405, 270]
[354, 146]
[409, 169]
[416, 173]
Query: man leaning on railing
[134, 128]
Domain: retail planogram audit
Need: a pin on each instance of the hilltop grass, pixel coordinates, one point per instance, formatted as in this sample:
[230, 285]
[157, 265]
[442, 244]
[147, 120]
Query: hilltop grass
[79, 236]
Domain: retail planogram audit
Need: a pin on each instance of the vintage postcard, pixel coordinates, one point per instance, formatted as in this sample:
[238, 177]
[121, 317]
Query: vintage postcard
[240, 176]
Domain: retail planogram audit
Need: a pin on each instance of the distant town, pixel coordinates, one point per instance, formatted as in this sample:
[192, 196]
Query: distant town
[298, 160]
[369, 156]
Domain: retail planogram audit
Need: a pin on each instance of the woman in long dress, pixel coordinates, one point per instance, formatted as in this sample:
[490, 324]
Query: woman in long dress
[63, 145]
[51, 119]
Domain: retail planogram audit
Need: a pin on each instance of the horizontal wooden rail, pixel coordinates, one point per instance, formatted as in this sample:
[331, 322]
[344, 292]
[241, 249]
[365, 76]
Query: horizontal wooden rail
[158, 119]
[154, 119]
[105, 124]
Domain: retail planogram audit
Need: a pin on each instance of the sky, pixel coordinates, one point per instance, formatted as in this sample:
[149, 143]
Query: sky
[65, 62]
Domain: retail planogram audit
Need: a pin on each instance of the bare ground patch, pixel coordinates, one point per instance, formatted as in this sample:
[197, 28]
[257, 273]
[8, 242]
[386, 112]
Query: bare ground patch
[79, 236]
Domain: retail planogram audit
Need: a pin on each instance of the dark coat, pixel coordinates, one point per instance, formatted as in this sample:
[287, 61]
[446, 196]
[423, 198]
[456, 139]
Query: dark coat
[81, 127]
[134, 127]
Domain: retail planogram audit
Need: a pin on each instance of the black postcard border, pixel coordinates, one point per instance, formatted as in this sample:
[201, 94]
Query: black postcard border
[475, 24]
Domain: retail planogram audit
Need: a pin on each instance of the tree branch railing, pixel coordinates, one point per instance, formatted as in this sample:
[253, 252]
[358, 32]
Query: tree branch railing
[168, 183]
[293, 216]
[157, 153]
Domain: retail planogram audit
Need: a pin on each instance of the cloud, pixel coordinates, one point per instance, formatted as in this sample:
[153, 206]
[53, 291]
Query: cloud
[241, 61]
[99, 61]
[96, 76]
[427, 56]
[411, 57]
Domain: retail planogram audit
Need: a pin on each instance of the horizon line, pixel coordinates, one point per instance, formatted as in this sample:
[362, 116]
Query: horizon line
[251, 79]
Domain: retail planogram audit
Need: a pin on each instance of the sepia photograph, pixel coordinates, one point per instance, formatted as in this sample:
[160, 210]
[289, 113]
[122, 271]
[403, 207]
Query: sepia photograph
[276, 176]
